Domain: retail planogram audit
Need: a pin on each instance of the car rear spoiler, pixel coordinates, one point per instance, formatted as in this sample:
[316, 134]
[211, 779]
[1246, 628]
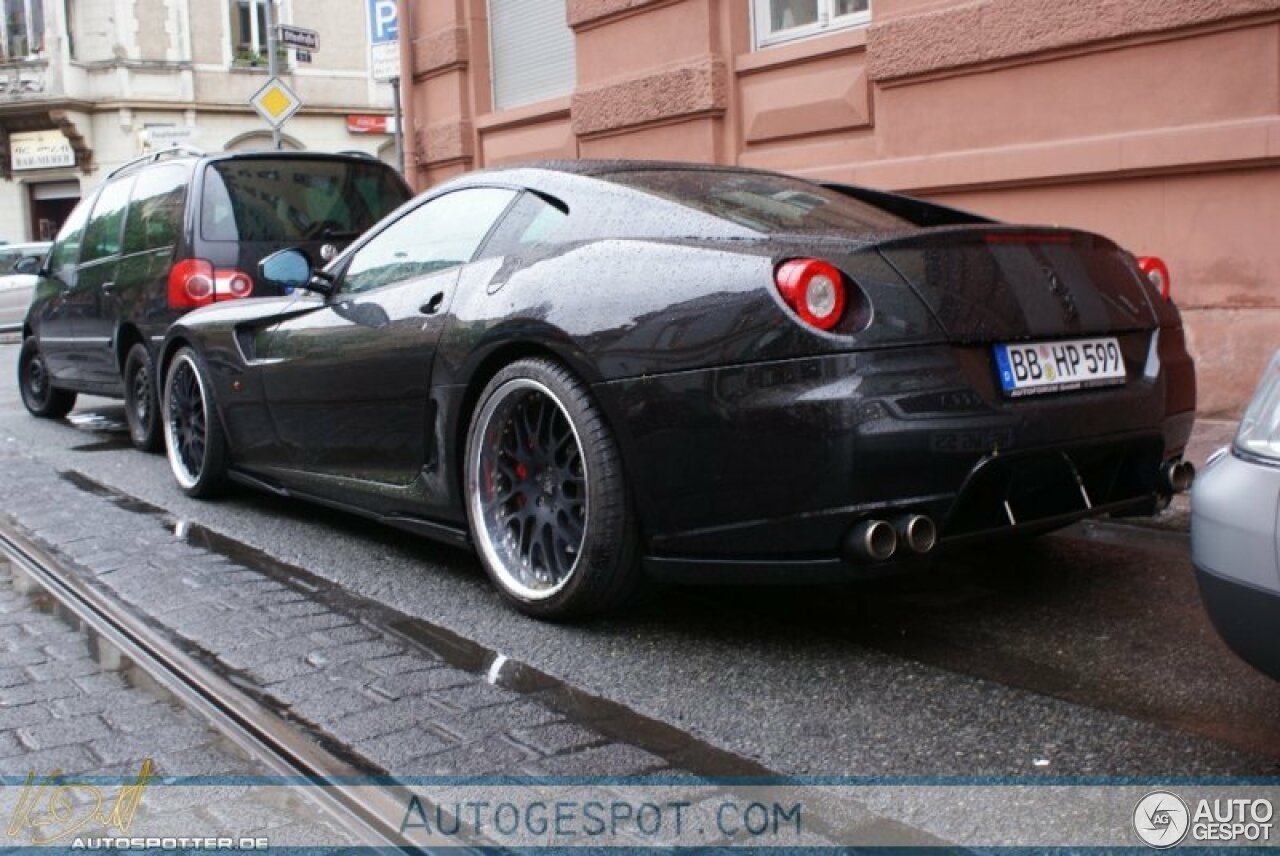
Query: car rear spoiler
[917, 211]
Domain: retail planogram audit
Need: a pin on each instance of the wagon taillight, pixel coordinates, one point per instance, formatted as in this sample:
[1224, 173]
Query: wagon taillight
[1157, 272]
[195, 282]
[231, 283]
[814, 290]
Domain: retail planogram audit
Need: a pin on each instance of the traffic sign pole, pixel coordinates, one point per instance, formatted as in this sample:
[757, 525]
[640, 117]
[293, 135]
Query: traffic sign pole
[384, 61]
[399, 135]
[272, 61]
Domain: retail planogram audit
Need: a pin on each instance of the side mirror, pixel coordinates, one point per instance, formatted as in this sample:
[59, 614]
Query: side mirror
[291, 269]
[30, 264]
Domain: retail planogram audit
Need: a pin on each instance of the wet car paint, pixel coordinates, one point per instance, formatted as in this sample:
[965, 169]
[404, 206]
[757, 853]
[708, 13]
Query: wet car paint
[747, 435]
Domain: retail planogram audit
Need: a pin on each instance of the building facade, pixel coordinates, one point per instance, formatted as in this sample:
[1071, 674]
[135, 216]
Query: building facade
[1155, 122]
[86, 85]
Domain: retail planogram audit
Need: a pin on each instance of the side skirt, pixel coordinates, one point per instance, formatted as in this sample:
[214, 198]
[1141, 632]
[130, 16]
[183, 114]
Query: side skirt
[443, 532]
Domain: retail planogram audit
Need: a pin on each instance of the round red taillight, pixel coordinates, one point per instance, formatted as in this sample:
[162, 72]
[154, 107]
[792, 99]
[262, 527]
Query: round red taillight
[814, 290]
[199, 286]
[240, 285]
[1157, 272]
[191, 284]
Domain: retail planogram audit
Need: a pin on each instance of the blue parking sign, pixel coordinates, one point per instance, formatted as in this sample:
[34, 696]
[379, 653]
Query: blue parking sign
[384, 22]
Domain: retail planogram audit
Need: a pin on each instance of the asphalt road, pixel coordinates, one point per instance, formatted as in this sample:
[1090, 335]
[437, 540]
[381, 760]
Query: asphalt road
[1079, 655]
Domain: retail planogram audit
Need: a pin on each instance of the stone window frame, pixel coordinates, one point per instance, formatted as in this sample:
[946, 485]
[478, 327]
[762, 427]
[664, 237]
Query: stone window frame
[828, 22]
[254, 55]
[27, 16]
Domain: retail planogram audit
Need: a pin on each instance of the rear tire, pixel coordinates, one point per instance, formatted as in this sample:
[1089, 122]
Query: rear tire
[41, 398]
[193, 438]
[141, 401]
[546, 495]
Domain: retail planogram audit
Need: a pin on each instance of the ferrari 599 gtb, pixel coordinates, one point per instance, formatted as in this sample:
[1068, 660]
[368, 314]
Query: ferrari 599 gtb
[588, 371]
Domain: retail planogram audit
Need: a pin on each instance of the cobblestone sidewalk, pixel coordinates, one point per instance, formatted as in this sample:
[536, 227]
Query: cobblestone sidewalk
[69, 702]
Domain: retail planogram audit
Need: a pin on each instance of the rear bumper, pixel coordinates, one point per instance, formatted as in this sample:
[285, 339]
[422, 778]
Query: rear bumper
[707, 570]
[1235, 510]
[762, 470]
[1247, 619]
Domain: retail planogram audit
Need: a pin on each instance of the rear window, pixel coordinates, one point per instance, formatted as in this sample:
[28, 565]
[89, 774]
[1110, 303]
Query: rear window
[271, 199]
[765, 203]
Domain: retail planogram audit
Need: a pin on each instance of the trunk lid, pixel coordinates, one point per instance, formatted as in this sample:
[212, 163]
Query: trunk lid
[993, 284]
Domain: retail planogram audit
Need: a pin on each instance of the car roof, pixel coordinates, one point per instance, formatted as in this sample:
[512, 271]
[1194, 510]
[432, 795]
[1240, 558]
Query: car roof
[272, 154]
[602, 168]
[190, 156]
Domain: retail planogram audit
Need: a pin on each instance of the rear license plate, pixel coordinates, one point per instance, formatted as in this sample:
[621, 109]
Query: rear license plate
[1034, 368]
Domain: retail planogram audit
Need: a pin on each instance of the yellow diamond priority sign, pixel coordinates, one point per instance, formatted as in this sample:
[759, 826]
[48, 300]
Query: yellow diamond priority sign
[275, 102]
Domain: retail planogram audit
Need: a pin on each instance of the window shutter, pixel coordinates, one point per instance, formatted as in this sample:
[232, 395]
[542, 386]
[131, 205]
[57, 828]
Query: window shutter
[532, 51]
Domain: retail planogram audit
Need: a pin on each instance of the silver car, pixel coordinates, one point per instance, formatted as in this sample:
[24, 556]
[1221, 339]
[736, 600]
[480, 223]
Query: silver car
[1235, 546]
[18, 264]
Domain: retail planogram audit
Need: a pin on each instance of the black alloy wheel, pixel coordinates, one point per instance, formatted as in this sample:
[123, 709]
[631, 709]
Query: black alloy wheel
[194, 441]
[141, 403]
[546, 496]
[39, 395]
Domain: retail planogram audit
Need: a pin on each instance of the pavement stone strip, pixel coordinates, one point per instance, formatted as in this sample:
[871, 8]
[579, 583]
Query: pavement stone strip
[69, 702]
[404, 712]
[386, 703]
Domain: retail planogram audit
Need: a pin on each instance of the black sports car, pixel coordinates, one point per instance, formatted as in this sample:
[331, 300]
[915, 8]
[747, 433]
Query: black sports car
[590, 370]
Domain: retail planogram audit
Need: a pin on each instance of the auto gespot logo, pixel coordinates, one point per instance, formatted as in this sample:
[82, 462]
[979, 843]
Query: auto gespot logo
[1162, 819]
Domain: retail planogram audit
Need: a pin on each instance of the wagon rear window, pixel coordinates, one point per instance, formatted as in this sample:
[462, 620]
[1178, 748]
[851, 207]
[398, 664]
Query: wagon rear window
[766, 203]
[276, 199]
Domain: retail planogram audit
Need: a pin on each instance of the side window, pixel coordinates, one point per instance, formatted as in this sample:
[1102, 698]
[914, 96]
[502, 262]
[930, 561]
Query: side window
[530, 221]
[154, 219]
[66, 247]
[102, 234]
[437, 235]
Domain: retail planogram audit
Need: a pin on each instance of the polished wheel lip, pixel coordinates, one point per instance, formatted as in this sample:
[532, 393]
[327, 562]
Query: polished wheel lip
[481, 520]
[174, 438]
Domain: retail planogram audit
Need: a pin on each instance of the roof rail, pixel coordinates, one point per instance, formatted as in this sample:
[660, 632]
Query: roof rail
[177, 150]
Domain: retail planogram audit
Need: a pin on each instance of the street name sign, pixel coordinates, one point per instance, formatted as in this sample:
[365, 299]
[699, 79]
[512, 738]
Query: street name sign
[297, 37]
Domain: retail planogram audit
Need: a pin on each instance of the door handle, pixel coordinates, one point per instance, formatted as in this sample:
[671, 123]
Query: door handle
[432, 306]
[108, 287]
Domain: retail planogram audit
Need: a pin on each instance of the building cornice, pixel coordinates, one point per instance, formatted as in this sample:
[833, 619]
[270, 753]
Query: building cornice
[989, 31]
[585, 14]
[442, 50]
[693, 88]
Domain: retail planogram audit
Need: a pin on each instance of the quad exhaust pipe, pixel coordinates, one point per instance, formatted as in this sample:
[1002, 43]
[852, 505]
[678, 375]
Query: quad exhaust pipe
[1177, 476]
[872, 541]
[879, 540]
[917, 532]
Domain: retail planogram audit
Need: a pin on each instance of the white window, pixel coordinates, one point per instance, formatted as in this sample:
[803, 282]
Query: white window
[777, 21]
[249, 32]
[23, 28]
[531, 47]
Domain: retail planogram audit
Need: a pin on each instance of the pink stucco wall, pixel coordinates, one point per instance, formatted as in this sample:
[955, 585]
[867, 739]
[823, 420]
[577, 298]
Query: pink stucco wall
[1156, 122]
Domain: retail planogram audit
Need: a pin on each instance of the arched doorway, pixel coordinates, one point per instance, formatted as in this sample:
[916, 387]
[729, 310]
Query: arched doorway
[260, 140]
